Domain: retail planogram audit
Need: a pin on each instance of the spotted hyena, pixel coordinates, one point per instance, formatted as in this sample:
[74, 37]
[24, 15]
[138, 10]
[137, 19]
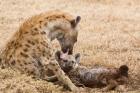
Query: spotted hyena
[108, 78]
[30, 50]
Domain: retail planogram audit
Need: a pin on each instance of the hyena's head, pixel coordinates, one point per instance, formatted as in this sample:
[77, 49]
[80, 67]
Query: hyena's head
[122, 74]
[64, 30]
[68, 39]
[67, 62]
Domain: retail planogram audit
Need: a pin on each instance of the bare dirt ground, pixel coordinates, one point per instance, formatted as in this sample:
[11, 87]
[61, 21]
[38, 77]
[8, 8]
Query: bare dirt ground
[109, 34]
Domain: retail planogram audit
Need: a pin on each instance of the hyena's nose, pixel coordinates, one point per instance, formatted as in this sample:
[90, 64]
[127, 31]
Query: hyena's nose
[67, 49]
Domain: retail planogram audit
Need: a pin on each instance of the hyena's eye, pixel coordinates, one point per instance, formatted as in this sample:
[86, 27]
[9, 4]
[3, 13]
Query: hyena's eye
[72, 61]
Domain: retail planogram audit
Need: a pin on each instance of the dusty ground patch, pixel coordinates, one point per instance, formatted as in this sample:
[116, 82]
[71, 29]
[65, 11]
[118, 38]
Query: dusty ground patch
[109, 34]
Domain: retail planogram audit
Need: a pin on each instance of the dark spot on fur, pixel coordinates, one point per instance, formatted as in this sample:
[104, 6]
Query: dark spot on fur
[38, 48]
[2, 67]
[31, 42]
[10, 56]
[25, 63]
[29, 62]
[40, 22]
[32, 72]
[53, 64]
[0, 60]
[36, 41]
[40, 26]
[13, 62]
[44, 44]
[43, 55]
[17, 45]
[20, 64]
[36, 29]
[18, 61]
[50, 55]
[39, 63]
[46, 17]
[25, 68]
[57, 27]
[45, 24]
[43, 32]
[26, 32]
[58, 16]
[24, 55]
[35, 33]
[12, 42]
[27, 45]
[63, 16]
[25, 50]
[56, 69]
[65, 74]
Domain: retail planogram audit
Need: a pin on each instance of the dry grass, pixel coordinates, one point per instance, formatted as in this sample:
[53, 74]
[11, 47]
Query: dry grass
[109, 34]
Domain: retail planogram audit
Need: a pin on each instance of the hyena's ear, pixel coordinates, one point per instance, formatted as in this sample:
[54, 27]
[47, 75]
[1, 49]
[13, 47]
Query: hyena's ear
[57, 55]
[75, 21]
[77, 58]
[124, 70]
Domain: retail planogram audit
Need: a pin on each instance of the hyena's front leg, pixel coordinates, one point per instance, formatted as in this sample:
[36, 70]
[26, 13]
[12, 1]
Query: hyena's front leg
[52, 78]
[54, 66]
[111, 84]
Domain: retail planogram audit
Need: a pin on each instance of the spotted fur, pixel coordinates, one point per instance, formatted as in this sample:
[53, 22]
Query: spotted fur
[30, 50]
